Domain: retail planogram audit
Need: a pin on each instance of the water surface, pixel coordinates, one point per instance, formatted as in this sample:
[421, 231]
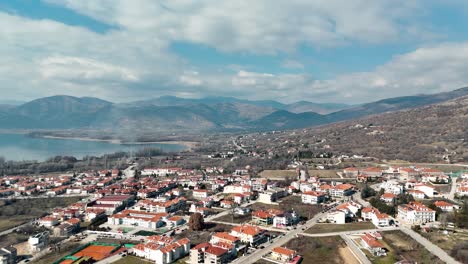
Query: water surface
[22, 147]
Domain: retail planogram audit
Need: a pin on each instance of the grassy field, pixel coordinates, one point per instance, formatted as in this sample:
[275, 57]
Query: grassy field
[324, 173]
[17, 212]
[329, 228]
[277, 173]
[318, 249]
[132, 260]
[237, 219]
[290, 203]
[403, 247]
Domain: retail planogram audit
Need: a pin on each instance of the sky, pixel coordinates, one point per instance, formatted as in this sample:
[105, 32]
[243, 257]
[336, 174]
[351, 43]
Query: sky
[316, 50]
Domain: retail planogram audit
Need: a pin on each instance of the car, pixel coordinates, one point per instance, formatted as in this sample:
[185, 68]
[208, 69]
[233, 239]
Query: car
[262, 247]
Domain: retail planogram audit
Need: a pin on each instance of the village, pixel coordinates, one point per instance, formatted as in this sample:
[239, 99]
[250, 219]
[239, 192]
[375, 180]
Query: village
[175, 215]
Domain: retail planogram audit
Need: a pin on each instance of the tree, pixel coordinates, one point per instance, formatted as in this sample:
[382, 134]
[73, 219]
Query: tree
[367, 192]
[196, 222]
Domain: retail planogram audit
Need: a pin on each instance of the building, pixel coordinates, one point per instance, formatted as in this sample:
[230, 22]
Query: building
[349, 208]
[138, 218]
[206, 253]
[341, 190]
[336, 217]
[313, 197]
[381, 219]
[224, 237]
[163, 251]
[8, 255]
[272, 195]
[428, 190]
[200, 194]
[388, 197]
[417, 194]
[415, 213]
[372, 244]
[445, 206]
[351, 172]
[48, 221]
[285, 219]
[283, 254]
[248, 234]
[39, 241]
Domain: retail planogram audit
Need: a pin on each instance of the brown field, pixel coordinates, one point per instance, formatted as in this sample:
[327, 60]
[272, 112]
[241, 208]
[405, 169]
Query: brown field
[319, 249]
[289, 203]
[277, 174]
[197, 237]
[53, 256]
[132, 260]
[330, 228]
[403, 247]
[236, 219]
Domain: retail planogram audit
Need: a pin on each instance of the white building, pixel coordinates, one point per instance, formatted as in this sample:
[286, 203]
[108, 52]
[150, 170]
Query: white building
[163, 252]
[428, 190]
[313, 197]
[336, 217]
[415, 213]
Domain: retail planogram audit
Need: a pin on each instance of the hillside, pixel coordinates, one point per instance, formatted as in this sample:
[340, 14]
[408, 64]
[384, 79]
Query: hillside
[434, 133]
[211, 114]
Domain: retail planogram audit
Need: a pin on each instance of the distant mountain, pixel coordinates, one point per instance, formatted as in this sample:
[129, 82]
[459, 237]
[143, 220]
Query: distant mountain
[169, 113]
[395, 104]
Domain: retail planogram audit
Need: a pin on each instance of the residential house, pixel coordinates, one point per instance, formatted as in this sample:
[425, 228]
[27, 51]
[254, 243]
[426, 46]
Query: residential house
[313, 197]
[415, 213]
[283, 254]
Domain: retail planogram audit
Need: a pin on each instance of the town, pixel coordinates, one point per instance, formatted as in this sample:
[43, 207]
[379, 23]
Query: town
[359, 214]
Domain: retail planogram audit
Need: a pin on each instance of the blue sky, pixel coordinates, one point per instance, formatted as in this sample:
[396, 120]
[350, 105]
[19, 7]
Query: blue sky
[323, 51]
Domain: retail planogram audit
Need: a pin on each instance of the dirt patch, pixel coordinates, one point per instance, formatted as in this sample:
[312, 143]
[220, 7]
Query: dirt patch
[348, 256]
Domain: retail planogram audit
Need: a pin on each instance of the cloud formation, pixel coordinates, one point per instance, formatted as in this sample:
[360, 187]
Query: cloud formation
[132, 60]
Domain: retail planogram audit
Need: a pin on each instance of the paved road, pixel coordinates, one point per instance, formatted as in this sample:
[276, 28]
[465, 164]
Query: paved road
[453, 188]
[357, 252]
[6, 232]
[430, 246]
[257, 255]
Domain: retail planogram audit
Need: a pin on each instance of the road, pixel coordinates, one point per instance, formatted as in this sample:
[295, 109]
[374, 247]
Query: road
[429, 246]
[6, 232]
[453, 189]
[257, 255]
[357, 252]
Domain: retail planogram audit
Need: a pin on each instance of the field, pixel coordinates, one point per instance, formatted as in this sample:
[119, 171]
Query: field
[281, 174]
[17, 212]
[236, 219]
[53, 256]
[330, 228]
[291, 203]
[197, 237]
[132, 260]
[403, 247]
[450, 241]
[277, 174]
[320, 249]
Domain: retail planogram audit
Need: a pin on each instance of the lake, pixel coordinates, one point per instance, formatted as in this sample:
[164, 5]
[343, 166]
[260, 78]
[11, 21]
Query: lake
[22, 147]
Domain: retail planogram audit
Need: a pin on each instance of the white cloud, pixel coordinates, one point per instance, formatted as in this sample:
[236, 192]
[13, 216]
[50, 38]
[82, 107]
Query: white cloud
[132, 61]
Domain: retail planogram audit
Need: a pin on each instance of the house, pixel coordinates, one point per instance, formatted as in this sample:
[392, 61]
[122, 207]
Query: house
[265, 217]
[341, 190]
[163, 251]
[137, 218]
[381, 219]
[248, 233]
[271, 195]
[428, 190]
[313, 197]
[349, 208]
[200, 194]
[336, 217]
[224, 237]
[415, 213]
[374, 246]
[388, 197]
[368, 212]
[283, 254]
[206, 253]
[38, 241]
[48, 221]
[445, 206]
[285, 219]
[417, 194]
[227, 204]
[175, 221]
[407, 173]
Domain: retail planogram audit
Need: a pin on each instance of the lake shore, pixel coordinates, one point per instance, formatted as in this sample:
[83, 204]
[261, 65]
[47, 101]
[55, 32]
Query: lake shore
[189, 144]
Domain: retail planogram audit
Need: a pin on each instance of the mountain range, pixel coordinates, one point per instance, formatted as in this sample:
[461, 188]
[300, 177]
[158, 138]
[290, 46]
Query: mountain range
[170, 113]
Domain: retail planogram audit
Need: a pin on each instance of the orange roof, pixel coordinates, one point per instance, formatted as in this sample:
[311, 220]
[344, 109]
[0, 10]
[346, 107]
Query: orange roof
[388, 195]
[442, 204]
[284, 251]
[247, 229]
[371, 241]
[226, 236]
[314, 193]
[344, 186]
[217, 251]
